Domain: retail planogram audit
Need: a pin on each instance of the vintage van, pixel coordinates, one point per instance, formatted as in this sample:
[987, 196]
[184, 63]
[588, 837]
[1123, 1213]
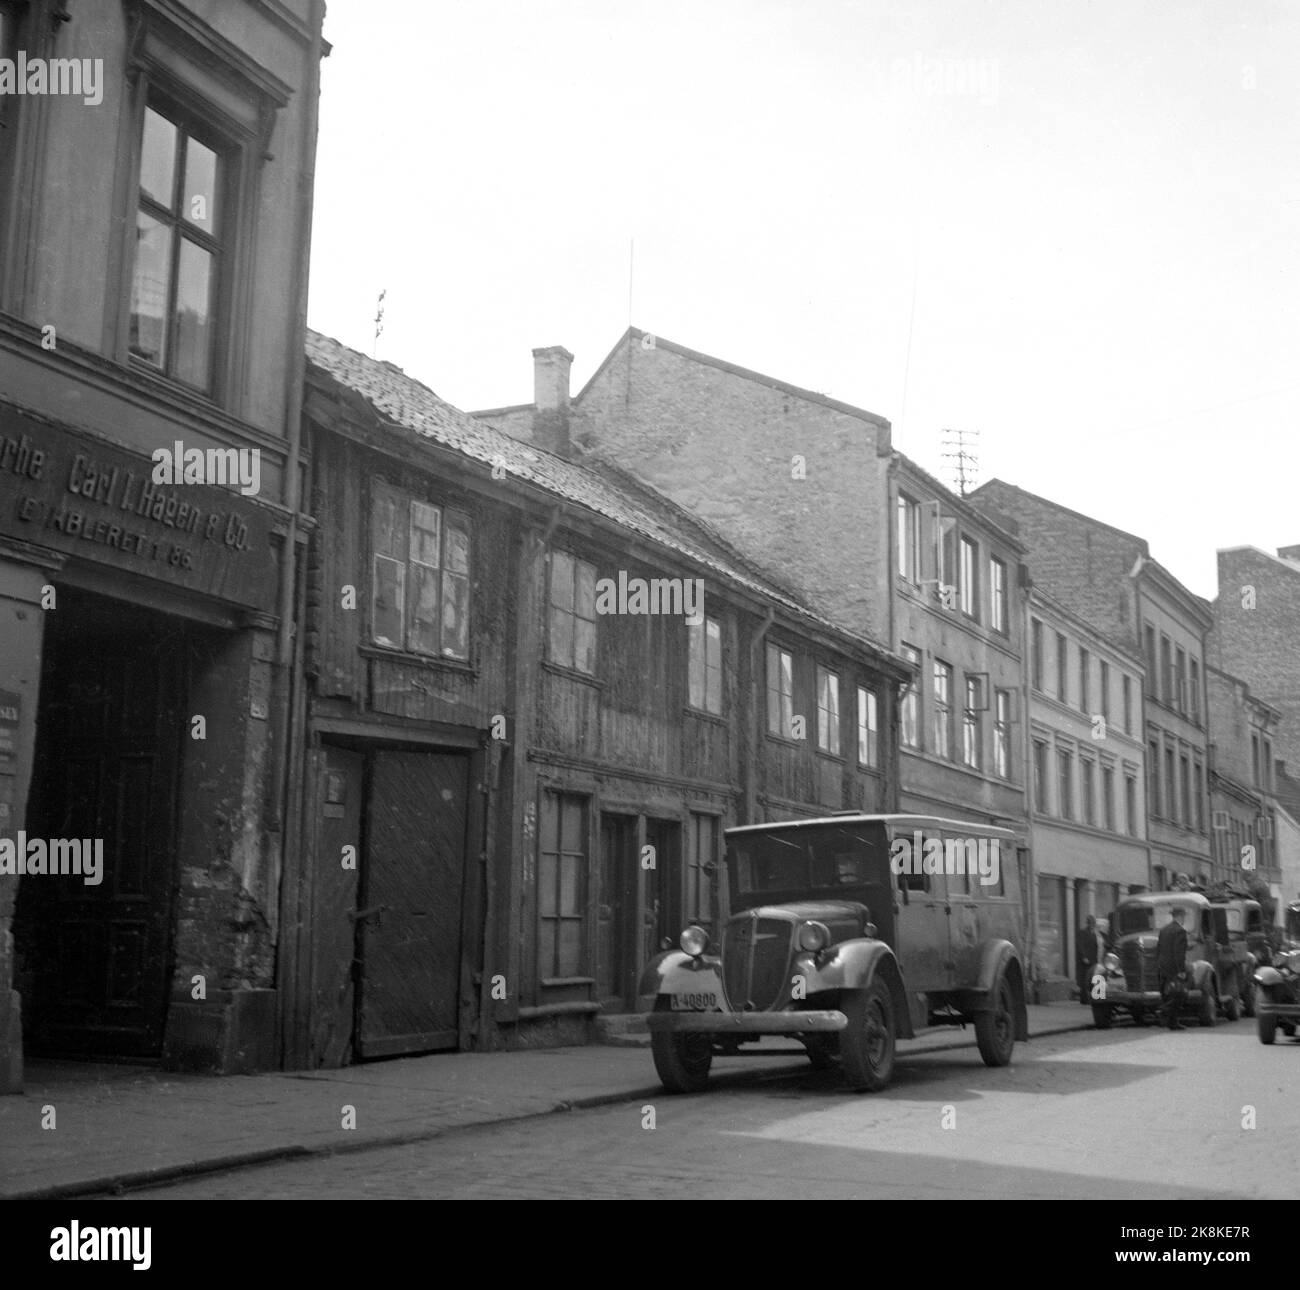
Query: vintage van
[849, 933]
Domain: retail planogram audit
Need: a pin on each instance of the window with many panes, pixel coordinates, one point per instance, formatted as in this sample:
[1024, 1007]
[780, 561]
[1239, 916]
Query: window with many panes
[970, 590]
[1002, 733]
[780, 692]
[562, 886]
[420, 575]
[868, 728]
[828, 711]
[942, 727]
[998, 595]
[972, 732]
[704, 664]
[571, 640]
[180, 240]
[910, 708]
[702, 835]
[909, 538]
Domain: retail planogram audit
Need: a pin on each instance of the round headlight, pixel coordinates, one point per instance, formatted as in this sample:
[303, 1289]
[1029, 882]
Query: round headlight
[814, 936]
[1111, 962]
[694, 940]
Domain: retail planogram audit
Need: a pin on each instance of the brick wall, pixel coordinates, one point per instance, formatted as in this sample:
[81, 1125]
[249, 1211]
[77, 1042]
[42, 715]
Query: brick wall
[721, 444]
[1256, 618]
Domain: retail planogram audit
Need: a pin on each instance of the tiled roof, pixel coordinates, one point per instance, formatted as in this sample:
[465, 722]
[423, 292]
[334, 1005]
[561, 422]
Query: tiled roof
[409, 404]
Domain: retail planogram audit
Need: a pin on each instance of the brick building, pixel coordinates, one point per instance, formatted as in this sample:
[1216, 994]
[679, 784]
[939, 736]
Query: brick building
[1256, 621]
[153, 263]
[533, 779]
[1107, 578]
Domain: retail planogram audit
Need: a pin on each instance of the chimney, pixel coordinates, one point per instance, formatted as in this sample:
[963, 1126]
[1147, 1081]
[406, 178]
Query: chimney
[1291, 553]
[551, 398]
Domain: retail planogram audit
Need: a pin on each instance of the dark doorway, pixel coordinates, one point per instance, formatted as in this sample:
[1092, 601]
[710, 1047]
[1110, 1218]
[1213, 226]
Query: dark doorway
[616, 914]
[664, 888]
[412, 896]
[95, 960]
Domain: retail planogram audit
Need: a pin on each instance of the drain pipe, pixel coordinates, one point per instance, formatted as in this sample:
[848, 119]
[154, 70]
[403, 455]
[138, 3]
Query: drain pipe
[287, 773]
[755, 735]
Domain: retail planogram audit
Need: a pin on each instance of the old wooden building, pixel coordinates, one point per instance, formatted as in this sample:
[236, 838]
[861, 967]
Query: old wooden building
[538, 691]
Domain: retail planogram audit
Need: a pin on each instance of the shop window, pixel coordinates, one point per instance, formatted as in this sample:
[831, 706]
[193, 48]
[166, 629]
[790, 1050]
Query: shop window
[562, 886]
[420, 576]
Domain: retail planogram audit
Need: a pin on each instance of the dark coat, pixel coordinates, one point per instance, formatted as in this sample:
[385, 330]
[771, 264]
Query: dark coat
[1171, 951]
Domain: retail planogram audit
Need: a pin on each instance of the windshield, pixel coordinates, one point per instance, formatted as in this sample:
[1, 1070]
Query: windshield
[824, 858]
[1151, 918]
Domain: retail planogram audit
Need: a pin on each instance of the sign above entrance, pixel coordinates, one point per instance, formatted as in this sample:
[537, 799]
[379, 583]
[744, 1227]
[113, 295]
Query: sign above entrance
[62, 489]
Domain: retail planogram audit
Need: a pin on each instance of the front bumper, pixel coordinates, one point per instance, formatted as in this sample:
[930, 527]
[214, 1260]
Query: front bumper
[747, 1023]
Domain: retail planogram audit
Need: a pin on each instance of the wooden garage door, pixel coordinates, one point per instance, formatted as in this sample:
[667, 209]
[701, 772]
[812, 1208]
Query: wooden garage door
[413, 882]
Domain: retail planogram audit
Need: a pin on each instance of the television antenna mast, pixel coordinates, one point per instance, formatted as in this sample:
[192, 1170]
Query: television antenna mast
[960, 450]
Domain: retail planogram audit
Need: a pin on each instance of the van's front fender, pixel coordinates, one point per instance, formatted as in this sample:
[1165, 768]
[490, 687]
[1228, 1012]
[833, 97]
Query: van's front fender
[676, 972]
[853, 965]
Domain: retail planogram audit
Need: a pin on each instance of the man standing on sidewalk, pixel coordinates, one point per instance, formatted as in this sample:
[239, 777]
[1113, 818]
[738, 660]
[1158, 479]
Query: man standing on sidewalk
[1088, 954]
[1171, 964]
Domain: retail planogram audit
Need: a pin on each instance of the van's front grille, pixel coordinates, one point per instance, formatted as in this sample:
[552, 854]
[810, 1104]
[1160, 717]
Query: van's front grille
[755, 958]
[1139, 967]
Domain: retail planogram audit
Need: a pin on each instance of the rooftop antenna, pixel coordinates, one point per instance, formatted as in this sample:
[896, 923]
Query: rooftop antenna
[960, 450]
[379, 321]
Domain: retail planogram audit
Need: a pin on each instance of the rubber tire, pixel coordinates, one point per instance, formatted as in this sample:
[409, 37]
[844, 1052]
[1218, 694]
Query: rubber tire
[1267, 1027]
[682, 1062]
[1101, 1015]
[1248, 998]
[995, 1030]
[871, 1014]
[1209, 1009]
[822, 1050]
[1232, 1008]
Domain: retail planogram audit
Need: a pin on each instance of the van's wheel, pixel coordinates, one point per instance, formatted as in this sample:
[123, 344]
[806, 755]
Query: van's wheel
[1101, 1016]
[681, 1061]
[1267, 1027]
[868, 1042]
[995, 1029]
[1209, 1008]
[1248, 998]
[822, 1050]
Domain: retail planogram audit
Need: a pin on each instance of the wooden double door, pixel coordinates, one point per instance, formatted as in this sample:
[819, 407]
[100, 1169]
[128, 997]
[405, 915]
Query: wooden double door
[389, 934]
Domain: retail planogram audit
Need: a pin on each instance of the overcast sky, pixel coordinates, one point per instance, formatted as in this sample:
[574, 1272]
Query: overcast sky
[1071, 227]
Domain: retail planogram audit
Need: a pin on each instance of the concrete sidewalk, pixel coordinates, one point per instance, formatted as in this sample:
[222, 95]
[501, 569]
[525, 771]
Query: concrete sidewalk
[124, 1126]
